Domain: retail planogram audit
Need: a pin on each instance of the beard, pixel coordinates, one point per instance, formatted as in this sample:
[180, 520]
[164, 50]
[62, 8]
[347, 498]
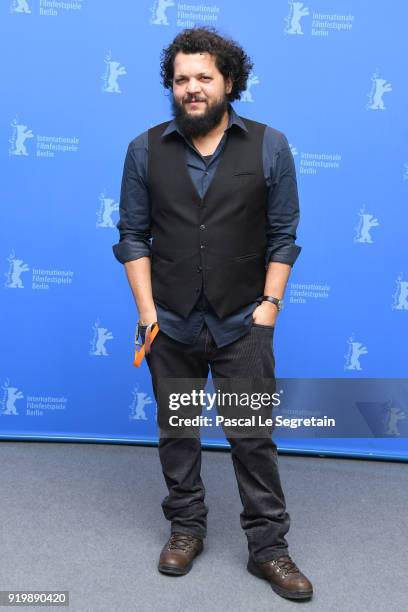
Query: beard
[193, 126]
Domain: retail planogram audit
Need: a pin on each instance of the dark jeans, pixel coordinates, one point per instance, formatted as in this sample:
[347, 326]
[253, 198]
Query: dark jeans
[264, 518]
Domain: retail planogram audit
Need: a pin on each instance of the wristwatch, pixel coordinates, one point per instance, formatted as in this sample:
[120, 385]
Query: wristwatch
[269, 298]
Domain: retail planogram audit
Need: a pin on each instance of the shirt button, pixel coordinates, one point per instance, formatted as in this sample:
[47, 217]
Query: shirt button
[202, 227]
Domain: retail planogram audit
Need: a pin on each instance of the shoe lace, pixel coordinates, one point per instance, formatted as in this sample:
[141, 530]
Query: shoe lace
[287, 565]
[181, 541]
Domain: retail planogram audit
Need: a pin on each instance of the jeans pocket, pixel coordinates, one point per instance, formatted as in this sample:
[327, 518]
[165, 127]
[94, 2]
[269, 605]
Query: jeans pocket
[260, 325]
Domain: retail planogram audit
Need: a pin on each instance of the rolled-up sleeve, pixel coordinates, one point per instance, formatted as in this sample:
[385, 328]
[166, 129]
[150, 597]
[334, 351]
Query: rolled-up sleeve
[283, 199]
[134, 208]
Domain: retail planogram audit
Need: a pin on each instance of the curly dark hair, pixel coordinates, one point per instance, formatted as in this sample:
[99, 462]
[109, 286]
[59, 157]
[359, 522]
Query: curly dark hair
[230, 58]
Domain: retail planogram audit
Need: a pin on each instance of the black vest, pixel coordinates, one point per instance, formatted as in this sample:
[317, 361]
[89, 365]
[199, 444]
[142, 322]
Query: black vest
[215, 244]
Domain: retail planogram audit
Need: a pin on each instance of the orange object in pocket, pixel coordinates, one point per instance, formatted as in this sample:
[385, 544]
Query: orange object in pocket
[151, 332]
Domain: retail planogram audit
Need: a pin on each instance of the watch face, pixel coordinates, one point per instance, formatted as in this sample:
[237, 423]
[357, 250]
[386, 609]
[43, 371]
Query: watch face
[278, 303]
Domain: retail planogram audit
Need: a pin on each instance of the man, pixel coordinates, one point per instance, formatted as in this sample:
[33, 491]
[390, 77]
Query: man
[208, 218]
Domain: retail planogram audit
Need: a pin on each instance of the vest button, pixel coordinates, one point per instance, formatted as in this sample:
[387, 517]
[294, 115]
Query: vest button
[197, 289]
[199, 268]
[202, 227]
[202, 246]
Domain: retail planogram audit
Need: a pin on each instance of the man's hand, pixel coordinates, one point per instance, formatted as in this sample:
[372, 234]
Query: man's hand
[138, 272]
[265, 314]
[148, 317]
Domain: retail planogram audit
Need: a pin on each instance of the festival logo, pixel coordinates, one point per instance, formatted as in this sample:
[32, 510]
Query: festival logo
[246, 95]
[41, 278]
[106, 208]
[293, 149]
[301, 293]
[112, 72]
[365, 224]
[13, 275]
[139, 402]
[19, 135]
[8, 399]
[158, 12]
[20, 6]
[385, 418]
[45, 145]
[35, 405]
[296, 12]
[400, 297]
[375, 96]
[355, 350]
[99, 338]
[46, 8]
[322, 25]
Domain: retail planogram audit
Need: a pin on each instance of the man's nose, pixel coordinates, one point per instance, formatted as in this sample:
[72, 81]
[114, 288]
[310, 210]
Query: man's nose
[193, 86]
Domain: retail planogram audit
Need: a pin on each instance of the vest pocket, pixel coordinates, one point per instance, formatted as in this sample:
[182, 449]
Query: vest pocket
[156, 256]
[249, 256]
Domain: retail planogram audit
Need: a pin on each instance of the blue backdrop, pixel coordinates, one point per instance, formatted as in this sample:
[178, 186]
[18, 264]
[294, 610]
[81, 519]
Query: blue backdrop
[80, 80]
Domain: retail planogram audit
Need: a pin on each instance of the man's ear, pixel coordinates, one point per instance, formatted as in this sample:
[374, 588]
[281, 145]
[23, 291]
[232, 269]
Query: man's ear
[228, 85]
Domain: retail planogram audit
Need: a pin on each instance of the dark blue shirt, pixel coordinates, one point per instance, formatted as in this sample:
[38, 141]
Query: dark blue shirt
[282, 221]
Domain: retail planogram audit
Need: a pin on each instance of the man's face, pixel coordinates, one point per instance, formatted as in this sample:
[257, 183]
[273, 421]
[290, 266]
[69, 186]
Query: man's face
[199, 93]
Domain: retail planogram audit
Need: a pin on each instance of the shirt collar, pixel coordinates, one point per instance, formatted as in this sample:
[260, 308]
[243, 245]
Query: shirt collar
[233, 119]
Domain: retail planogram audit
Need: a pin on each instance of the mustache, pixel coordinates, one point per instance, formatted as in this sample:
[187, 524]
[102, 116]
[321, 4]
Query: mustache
[194, 99]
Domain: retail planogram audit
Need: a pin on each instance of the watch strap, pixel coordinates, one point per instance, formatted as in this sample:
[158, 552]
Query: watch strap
[270, 298]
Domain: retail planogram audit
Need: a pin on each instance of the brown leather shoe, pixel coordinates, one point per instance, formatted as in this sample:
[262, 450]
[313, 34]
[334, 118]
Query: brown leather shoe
[284, 577]
[176, 557]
